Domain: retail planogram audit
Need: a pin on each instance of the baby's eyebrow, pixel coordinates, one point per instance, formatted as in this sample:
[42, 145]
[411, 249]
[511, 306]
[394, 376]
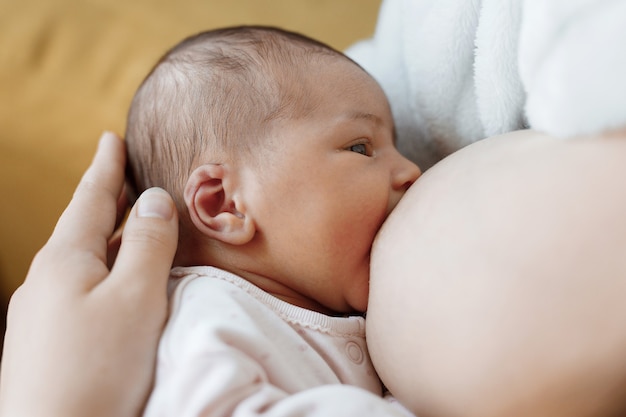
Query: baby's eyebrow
[358, 115]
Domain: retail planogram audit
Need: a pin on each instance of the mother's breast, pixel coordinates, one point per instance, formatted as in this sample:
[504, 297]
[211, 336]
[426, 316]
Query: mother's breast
[498, 282]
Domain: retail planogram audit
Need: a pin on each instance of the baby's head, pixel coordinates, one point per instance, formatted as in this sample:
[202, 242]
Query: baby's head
[215, 93]
[279, 153]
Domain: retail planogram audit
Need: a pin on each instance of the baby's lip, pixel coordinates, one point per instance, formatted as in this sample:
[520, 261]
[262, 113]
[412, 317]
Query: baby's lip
[394, 199]
[390, 208]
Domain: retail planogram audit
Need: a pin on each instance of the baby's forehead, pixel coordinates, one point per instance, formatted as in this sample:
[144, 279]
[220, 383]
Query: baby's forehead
[298, 84]
[303, 73]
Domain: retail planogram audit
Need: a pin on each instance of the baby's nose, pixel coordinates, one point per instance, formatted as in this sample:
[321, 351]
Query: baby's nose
[405, 174]
[403, 177]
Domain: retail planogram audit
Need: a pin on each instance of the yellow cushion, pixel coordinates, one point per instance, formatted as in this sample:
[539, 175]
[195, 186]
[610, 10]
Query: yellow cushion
[68, 69]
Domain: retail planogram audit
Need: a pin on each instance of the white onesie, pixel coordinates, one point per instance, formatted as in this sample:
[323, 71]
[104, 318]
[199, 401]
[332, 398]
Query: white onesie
[231, 349]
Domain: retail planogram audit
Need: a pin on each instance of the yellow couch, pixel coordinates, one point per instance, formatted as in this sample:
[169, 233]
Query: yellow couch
[68, 69]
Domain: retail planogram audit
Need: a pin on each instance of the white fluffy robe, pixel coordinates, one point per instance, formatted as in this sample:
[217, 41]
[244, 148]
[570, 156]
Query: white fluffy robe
[457, 71]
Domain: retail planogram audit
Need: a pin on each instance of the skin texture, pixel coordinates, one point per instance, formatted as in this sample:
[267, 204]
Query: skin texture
[513, 251]
[300, 223]
[81, 337]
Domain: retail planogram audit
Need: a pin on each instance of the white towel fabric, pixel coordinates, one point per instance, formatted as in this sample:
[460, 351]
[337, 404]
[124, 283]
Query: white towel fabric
[457, 71]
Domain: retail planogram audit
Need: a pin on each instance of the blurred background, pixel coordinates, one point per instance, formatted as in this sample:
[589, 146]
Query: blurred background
[68, 70]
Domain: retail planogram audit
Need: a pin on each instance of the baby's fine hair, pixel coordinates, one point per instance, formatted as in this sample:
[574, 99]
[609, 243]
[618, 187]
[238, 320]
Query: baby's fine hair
[216, 93]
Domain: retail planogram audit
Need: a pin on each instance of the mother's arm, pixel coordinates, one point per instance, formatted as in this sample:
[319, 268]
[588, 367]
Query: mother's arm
[498, 283]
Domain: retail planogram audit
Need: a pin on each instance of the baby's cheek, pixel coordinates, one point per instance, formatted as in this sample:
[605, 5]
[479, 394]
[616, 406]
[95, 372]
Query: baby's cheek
[355, 235]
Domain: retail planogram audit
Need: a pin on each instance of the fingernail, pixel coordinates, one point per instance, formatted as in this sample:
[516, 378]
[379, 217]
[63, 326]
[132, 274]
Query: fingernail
[106, 135]
[155, 203]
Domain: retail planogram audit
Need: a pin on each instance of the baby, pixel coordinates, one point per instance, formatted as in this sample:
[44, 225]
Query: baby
[279, 152]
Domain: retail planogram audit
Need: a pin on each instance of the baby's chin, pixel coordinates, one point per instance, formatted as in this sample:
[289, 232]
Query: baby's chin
[350, 297]
[354, 301]
[358, 296]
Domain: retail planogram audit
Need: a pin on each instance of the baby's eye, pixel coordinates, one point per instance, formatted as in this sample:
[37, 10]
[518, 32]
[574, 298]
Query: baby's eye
[361, 148]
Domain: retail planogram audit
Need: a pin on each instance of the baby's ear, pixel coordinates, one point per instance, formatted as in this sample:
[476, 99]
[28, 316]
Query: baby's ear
[213, 209]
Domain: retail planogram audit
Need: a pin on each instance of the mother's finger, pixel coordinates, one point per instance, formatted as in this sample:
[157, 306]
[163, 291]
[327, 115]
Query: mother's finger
[89, 219]
[122, 207]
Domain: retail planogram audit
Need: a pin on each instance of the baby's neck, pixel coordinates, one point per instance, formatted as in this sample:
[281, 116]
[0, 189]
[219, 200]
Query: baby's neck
[202, 253]
[281, 291]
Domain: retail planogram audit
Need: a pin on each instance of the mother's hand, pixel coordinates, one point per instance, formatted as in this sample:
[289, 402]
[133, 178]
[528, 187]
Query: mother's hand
[81, 338]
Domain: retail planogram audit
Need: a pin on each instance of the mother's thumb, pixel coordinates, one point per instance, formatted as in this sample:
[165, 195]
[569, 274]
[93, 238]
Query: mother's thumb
[149, 241]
